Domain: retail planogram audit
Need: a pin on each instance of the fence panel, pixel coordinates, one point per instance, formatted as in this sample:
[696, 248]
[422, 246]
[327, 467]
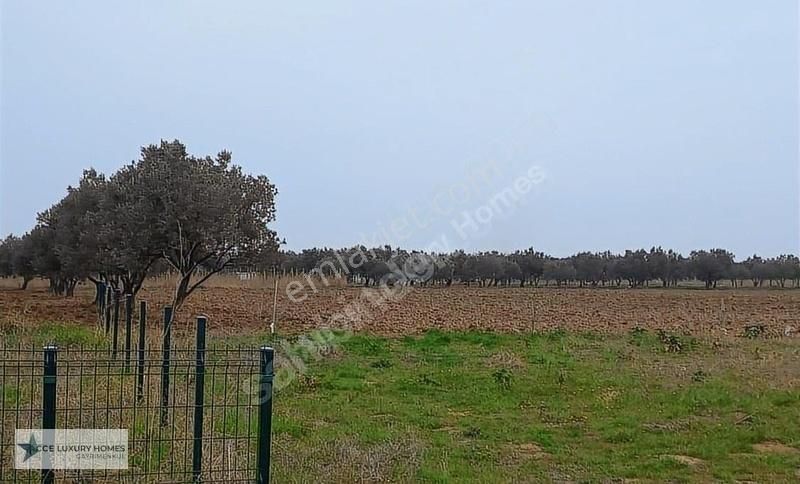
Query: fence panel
[94, 390]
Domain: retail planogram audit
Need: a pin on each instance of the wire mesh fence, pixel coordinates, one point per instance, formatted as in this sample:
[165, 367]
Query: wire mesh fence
[193, 413]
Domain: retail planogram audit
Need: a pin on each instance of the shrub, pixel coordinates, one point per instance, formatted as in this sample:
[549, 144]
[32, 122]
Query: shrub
[672, 343]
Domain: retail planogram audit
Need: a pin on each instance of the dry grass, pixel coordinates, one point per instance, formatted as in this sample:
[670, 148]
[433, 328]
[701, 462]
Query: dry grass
[506, 359]
[96, 391]
[346, 460]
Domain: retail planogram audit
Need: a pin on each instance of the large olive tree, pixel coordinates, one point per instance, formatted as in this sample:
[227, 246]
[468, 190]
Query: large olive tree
[200, 214]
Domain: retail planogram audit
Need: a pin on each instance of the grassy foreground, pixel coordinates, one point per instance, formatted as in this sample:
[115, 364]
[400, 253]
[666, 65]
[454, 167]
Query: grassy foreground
[545, 407]
[475, 407]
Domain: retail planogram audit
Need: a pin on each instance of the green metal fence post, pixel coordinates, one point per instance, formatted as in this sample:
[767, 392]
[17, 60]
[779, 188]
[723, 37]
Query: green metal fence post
[115, 328]
[128, 322]
[200, 372]
[101, 298]
[265, 415]
[165, 365]
[108, 309]
[140, 351]
[49, 409]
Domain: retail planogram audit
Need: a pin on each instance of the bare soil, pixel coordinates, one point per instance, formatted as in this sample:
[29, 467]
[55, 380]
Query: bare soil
[249, 307]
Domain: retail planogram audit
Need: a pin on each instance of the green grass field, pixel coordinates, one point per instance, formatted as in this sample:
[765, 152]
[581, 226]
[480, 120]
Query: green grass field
[545, 407]
[472, 407]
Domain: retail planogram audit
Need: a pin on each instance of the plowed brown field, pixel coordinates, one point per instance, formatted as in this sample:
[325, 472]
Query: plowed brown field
[235, 309]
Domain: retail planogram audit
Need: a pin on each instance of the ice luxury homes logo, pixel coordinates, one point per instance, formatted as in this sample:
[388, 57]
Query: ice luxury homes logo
[71, 449]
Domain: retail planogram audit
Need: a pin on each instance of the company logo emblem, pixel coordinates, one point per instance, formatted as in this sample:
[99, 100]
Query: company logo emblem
[31, 448]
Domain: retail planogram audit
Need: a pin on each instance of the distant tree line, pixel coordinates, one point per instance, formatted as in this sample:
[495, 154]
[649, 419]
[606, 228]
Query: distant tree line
[197, 216]
[168, 210]
[634, 268]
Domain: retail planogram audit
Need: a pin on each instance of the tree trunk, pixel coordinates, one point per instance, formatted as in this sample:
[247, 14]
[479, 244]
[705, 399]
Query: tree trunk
[98, 290]
[69, 287]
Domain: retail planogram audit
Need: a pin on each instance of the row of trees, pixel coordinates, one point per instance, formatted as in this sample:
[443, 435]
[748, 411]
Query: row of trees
[168, 210]
[197, 216]
[66, 248]
[635, 268]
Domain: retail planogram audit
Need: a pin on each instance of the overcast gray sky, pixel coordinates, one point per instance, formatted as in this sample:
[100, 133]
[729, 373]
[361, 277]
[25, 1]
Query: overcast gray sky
[653, 122]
